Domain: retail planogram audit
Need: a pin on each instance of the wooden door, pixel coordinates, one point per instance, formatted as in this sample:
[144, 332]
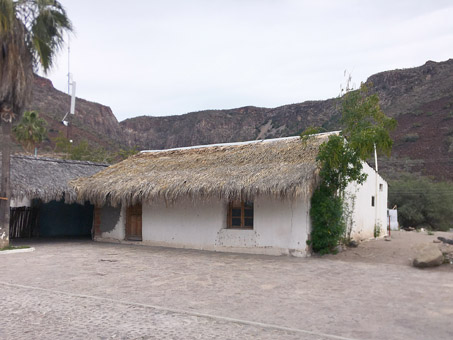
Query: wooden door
[134, 223]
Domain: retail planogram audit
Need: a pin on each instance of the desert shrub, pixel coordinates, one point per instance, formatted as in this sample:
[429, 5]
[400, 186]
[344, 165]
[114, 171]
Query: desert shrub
[449, 142]
[449, 116]
[82, 151]
[411, 137]
[422, 202]
[311, 130]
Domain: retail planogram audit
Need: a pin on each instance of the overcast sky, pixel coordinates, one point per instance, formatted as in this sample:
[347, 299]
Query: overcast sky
[149, 57]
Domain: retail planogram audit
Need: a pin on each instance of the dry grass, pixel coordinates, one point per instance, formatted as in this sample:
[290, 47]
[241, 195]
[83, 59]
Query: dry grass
[282, 168]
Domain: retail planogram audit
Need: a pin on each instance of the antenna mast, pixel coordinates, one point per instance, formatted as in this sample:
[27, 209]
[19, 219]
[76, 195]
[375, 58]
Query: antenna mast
[69, 66]
[71, 92]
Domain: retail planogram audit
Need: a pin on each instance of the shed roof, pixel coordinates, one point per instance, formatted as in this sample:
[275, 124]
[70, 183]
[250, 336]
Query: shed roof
[47, 178]
[284, 167]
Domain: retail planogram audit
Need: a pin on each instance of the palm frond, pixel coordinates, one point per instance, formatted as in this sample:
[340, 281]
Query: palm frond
[16, 68]
[31, 34]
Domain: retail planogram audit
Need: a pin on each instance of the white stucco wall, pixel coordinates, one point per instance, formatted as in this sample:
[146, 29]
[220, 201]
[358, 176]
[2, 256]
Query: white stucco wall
[280, 227]
[365, 216]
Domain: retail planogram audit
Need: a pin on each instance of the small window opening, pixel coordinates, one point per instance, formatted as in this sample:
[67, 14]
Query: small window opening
[240, 215]
[372, 201]
[381, 187]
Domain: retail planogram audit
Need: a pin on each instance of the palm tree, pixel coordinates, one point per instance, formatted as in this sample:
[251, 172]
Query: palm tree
[31, 34]
[31, 130]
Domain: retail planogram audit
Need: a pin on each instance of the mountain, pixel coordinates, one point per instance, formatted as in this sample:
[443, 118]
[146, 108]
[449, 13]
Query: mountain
[420, 98]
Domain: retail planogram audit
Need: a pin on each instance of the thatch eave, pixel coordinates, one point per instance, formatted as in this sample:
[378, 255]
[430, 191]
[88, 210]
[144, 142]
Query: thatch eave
[284, 168]
[47, 179]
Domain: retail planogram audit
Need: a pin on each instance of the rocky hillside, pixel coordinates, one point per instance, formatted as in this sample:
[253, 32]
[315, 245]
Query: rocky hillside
[221, 126]
[420, 98]
[92, 121]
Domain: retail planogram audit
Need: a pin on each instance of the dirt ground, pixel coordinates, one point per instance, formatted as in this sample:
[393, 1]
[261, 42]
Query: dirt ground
[399, 250]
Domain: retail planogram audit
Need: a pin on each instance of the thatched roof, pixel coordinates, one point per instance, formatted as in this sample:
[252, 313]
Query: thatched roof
[46, 178]
[284, 167]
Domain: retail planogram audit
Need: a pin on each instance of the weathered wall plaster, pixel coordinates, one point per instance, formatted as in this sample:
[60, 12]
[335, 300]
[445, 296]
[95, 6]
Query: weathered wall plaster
[280, 226]
[113, 223]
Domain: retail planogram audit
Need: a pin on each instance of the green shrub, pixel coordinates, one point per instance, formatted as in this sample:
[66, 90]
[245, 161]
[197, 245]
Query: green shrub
[327, 221]
[411, 137]
[311, 130]
[422, 202]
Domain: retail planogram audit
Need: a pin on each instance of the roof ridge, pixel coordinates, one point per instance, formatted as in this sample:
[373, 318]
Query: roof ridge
[251, 142]
[57, 160]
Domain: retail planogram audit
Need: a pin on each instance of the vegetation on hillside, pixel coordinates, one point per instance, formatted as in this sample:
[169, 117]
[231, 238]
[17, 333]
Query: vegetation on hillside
[84, 151]
[421, 202]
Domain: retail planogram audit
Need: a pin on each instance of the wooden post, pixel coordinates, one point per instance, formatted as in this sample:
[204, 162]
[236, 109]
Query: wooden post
[390, 228]
[5, 190]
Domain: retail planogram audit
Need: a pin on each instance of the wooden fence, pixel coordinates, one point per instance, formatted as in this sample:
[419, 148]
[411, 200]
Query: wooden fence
[23, 222]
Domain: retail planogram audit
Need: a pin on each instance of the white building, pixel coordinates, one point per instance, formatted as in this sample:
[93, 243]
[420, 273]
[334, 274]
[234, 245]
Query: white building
[251, 197]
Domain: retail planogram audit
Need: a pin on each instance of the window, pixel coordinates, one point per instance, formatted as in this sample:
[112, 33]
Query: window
[372, 201]
[381, 187]
[240, 215]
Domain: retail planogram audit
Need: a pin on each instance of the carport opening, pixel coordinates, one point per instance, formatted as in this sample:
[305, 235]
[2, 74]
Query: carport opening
[53, 219]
